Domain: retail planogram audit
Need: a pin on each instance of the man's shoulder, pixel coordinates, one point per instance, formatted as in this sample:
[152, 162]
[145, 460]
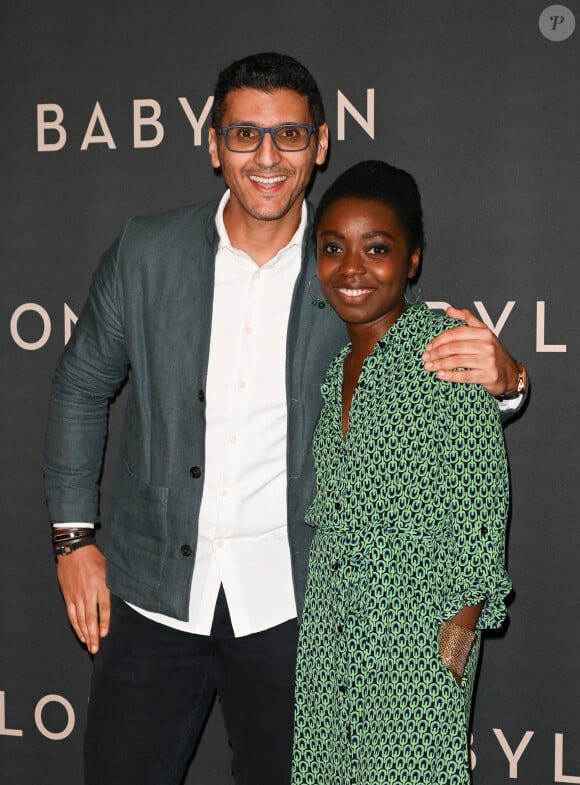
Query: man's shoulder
[189, 218]
[151, 240]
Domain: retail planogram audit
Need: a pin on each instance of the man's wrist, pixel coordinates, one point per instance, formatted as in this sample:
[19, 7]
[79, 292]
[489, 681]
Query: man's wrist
[65, 540]
[519, 385]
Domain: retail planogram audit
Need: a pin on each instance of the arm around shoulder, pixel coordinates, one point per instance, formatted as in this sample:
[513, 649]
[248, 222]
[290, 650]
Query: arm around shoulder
[472, 353]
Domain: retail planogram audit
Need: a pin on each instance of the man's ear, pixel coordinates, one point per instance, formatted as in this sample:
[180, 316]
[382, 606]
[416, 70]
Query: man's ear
[322, 144]
[212, 146]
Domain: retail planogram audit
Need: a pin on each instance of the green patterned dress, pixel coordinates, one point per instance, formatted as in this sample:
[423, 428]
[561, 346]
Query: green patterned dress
[410, 517]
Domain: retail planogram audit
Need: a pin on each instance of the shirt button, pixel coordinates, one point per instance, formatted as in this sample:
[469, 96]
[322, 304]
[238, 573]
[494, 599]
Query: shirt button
[219, 544]
[233, 439]
[337, 505]
[335, 566]
[342, 688]
[195, 472]
[242, 384]
[484, 529]
[249, 329]
[186, 550]
[340, 628]
[200, 396]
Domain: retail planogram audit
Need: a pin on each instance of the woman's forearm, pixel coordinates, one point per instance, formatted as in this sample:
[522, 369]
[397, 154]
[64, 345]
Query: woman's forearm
[468, 616]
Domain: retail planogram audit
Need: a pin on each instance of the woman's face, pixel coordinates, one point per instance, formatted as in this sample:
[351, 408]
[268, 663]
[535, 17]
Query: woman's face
[364, 262]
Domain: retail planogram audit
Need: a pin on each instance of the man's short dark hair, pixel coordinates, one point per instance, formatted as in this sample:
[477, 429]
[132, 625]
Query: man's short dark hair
[267, 71]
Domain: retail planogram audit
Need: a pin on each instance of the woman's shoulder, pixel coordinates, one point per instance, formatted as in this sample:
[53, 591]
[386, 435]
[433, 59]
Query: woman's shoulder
[431, 323]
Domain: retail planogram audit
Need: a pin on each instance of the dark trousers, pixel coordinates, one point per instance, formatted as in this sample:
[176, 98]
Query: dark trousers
[153, 687]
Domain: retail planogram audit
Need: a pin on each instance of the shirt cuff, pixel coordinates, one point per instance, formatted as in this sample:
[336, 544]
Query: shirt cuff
[511, 404]
[73, 525]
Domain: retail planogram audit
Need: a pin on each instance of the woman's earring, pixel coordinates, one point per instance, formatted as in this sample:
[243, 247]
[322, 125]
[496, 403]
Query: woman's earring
[413, 293]
[316, 301]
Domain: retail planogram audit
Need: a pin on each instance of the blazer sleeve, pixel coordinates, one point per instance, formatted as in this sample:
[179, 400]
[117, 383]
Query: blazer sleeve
[90, 372]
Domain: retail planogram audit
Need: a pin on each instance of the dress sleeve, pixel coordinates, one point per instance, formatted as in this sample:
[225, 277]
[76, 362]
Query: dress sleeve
[476, 484]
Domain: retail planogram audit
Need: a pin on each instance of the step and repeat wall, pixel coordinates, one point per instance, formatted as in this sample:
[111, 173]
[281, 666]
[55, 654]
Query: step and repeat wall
[104, 115]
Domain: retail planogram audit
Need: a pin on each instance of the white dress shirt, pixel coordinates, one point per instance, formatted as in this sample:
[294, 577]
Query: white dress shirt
[243, 536]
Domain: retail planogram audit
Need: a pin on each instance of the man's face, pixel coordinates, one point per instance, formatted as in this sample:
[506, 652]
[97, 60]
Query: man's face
[266, 184]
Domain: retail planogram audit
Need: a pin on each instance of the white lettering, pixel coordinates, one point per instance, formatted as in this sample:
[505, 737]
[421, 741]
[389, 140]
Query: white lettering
[105, 137]
[367, 124]
[472, 755]
[541, 345]
[30, 346]
[43, 125]
[68, 729]
[4, 731]
[435, 305]
[196, 124]
[70, 318]
[152, 120]
[485, 317]
[513, 757]
[559, 761]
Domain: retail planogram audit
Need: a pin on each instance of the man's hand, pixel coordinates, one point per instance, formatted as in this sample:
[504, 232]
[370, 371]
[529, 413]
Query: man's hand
[81, 575]
[474, 348]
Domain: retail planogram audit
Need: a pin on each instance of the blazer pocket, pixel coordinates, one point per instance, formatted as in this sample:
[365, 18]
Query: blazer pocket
[138, 528]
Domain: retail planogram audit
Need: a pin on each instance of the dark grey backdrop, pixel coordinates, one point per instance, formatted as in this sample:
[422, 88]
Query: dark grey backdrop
[484, 109]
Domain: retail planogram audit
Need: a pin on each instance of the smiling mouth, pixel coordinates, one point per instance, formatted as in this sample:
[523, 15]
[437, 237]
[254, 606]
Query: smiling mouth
[353, 294]
[268, 180]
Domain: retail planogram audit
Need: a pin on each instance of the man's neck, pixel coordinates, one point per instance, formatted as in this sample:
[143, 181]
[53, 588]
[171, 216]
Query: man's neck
[260, 239]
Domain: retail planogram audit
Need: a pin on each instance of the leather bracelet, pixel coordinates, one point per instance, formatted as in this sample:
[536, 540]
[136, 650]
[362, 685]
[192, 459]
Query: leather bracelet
[66, 535]
[63, 549]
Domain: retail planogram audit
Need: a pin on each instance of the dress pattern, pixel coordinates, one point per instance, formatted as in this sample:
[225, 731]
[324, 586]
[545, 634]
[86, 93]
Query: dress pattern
[410, 515]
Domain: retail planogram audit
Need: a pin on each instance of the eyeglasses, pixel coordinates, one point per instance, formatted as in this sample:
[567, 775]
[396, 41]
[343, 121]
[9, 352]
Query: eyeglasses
[289, 138]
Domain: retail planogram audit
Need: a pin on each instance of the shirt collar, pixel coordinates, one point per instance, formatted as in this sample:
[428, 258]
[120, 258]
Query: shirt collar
[224, 240]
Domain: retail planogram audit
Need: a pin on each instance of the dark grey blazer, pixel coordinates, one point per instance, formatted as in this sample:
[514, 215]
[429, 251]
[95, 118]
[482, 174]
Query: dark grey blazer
[149, 316]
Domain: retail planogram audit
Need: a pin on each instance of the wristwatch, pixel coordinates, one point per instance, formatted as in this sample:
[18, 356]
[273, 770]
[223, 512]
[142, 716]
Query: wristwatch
[521, 385]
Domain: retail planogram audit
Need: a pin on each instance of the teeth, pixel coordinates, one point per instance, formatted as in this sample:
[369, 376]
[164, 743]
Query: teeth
[267, 180]
[354, 292]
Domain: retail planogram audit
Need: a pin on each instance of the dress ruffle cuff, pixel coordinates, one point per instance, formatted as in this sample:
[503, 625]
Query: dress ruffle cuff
[493, 594]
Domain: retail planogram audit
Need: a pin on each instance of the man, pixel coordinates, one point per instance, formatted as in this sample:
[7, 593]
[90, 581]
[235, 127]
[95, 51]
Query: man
[210, 308]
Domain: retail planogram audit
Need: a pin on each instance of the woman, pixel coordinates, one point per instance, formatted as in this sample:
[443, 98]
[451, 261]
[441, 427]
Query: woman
[407, 563]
